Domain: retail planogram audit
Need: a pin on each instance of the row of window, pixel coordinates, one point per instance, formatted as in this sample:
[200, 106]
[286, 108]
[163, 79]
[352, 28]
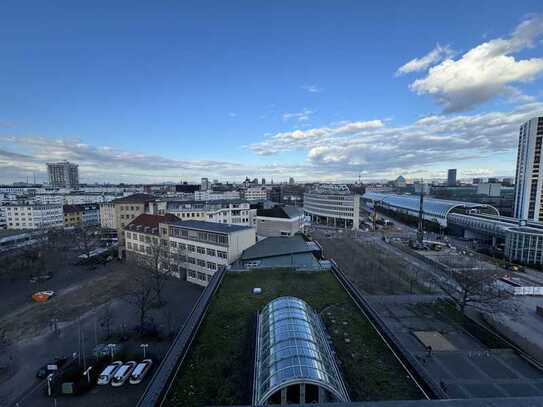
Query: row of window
[199, 249]
[198, 275]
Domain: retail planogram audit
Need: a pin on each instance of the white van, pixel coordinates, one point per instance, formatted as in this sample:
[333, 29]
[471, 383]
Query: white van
[140, 371]
[123, 373]
[107, 374]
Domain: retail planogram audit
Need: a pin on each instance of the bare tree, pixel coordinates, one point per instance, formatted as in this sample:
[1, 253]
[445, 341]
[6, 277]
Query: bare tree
[106, 319]
[156, 262]
[85, 238]
[140, 293]
[476, 288]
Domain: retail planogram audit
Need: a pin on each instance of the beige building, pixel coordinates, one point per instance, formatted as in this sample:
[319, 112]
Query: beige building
[121, 211]
[279, 221]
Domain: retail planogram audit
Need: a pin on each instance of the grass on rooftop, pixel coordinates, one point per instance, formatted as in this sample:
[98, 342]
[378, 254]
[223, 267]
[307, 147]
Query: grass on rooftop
[219, 367]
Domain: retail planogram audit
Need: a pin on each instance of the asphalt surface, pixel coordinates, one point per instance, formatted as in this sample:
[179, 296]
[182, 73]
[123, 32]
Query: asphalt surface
[28, 356]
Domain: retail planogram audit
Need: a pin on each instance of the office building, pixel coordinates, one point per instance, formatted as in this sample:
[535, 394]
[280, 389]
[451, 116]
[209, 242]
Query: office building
[451, 177]
[230, 212]
[205, 185]
[256, 194]
[529, 172]
[279, 221]
[210, 195]
[333, 205]
[33, 216]
[200, 248]
[63, 175]
[81, 215]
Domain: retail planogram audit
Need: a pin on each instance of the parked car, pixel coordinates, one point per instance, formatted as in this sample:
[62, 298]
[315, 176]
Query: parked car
[42, 296]
[123, 374]
[139, 372]
[108, 373]
[51, 367]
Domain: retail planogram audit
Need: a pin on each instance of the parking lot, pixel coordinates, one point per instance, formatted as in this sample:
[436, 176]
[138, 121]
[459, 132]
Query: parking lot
[73, 321]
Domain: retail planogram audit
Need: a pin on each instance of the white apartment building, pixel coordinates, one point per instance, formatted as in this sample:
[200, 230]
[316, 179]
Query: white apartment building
[48, 199]
[529, 173]
[3, 224]
[34, 216]
[107, 216]
[208, 195]
[200, 248]
[333, 205]
[256, 194]
[231, 212]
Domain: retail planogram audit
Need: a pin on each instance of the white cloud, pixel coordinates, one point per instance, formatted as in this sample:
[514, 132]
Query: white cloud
[484, 72]
[436, 55]
[382, 149]
[302, 116]
[312, 88]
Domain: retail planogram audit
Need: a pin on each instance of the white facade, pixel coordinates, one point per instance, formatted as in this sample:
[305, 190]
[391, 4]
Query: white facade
[256, 194]
[227, 212]
[34, 216]
[107, 216]
[489, 189]
[215, 196]
[529, 173]
[3, 224]
[199, 249]
[331, 208]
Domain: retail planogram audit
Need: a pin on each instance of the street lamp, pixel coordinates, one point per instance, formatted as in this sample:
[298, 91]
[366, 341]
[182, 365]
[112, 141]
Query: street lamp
[87, 373]
[144, 346]
[111, 347]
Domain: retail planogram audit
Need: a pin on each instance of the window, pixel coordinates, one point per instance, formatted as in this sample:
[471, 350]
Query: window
[210, 252]
[192, 273]
[201, 250]
[211, 265]
[173, 244]
[147, 239]
[191, 248]
[200, 262]
[191, 260]
[142, 238]
[222, 255]
[201, 276]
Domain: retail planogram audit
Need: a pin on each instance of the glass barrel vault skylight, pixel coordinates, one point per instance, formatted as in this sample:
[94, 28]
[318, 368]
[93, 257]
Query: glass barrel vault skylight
[292, 351]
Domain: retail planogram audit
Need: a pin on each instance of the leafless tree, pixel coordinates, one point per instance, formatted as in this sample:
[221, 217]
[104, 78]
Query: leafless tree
[156, 262]
[85, 238]
[476, 288]
[106, 319]
[140, 293]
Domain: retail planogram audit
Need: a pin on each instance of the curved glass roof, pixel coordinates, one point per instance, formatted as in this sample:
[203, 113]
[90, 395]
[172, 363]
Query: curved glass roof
[292, 348]
[439, 208]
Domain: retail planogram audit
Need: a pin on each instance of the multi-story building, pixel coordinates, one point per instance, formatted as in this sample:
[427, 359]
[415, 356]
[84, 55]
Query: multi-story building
[48, 199]
[451, 177]
[215, 195]
[3, 224]
[63, 174]
[33, 216]
[121, 211]
[333, 205]
[231, 212]
[204, 185]
[279, 221]
[529, 172]
[200, 248]
[81, 215]
[256, 194]
[143, 241]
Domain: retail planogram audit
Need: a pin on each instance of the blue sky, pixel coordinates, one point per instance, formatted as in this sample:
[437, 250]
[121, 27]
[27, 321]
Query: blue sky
[146, 91]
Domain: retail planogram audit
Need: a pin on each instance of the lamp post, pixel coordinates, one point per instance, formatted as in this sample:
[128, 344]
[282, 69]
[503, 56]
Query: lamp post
[111, 347]
[87, 373]
[144, 346]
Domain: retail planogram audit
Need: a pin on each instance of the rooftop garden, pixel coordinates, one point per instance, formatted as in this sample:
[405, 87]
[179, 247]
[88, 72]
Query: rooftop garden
[219, 367]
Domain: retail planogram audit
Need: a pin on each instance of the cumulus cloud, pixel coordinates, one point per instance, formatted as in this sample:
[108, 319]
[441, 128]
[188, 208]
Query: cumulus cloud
[484, 72]
[103, 163]
[436, 55]
[379, 149]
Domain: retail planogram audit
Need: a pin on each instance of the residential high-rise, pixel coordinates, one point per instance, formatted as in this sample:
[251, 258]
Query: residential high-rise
[529, 177]
[63, 174]
[451, 177]
[204, 185]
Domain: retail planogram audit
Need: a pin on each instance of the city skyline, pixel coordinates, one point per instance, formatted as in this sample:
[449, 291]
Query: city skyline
[224, 91]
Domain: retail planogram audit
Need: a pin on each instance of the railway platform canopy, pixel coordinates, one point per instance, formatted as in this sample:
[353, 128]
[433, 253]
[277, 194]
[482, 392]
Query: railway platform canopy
[436, 210]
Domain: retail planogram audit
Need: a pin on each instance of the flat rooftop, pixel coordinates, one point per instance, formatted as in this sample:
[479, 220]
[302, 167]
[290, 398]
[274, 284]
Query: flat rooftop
[219, 367]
